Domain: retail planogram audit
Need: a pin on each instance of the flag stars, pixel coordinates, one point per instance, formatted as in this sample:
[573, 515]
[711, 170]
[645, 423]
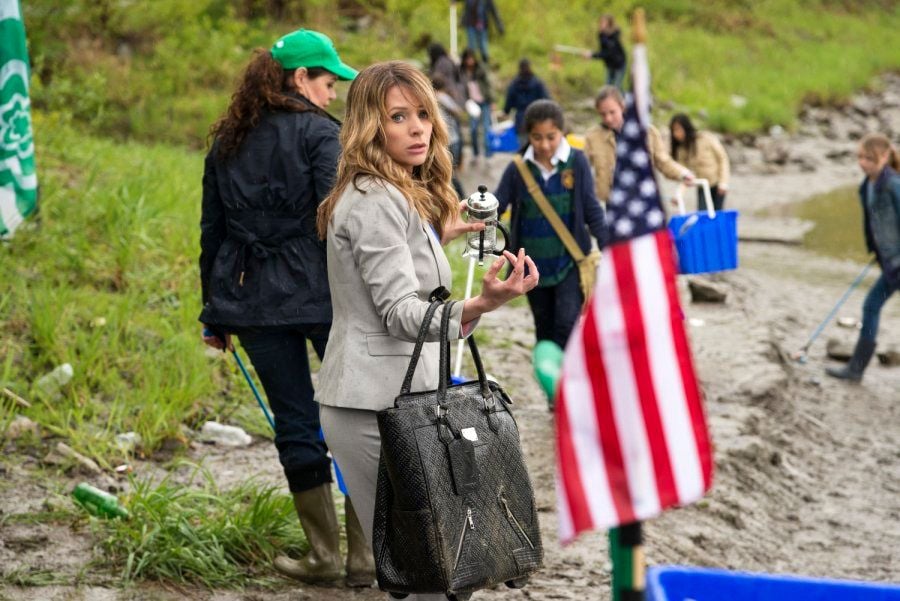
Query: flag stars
[624, 226]
[631, 130]
[647, 188]
[640, 158]
[617, 197]
[655, 218]
[636, 207]
[627, 178]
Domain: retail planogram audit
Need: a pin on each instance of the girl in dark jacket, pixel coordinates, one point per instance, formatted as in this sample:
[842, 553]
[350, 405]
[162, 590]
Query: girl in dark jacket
[611, 52]
[262, 267]
[564, 176]
[880, 197]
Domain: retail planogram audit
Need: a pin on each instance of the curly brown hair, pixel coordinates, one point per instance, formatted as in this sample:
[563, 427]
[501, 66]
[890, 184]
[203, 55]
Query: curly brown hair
[264, 86]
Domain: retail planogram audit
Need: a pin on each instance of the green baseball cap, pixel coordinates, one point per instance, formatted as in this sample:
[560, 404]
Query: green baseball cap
[307, 48]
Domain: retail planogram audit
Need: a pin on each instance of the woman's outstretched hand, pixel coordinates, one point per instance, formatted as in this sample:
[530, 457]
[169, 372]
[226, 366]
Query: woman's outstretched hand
[458, 227]
[496, 292]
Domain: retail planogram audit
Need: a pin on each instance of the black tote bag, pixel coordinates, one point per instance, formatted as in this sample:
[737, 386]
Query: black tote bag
[454, 509]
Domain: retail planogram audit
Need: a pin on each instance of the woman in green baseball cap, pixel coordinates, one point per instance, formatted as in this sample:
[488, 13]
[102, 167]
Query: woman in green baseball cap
[272, 160]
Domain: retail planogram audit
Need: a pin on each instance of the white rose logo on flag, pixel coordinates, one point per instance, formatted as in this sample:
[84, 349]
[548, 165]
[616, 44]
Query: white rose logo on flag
[15, 127]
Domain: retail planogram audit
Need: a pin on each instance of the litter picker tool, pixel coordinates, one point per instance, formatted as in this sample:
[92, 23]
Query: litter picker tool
[571, 49]
[262, 403]
[801, 355]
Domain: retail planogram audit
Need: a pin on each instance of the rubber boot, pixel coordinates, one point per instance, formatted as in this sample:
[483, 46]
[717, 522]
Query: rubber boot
[360, 562]
[322, 563]
[854, 369]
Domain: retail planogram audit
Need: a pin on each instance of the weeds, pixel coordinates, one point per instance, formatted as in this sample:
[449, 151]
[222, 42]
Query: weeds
[186, 534]
[107, 281]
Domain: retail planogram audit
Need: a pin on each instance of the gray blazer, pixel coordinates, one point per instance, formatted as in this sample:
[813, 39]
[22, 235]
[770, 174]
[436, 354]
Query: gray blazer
[383, 263]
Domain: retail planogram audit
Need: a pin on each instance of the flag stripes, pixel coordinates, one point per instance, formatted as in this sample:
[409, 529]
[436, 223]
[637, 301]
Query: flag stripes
[631, 433]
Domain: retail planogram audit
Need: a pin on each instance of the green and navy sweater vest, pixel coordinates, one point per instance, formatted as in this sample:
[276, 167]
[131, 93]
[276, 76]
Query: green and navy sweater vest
[537, 236]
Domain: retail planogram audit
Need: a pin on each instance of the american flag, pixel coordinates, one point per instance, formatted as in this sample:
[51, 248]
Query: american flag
[631, 433]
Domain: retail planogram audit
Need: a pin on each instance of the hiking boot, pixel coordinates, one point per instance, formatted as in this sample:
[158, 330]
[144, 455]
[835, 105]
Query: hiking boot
[322, 563]
[853, 371]
[360, 562]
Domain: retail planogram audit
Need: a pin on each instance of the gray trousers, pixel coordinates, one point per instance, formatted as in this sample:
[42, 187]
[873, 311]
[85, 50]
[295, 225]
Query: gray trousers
[355, 444]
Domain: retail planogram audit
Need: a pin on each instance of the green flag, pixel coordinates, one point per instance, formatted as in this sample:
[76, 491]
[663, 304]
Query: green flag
[18, 181]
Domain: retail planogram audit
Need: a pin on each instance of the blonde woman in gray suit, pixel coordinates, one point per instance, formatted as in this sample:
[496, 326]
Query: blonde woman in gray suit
[392, 209]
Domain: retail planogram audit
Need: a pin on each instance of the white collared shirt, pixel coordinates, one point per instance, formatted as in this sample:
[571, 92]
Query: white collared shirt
[560, 156]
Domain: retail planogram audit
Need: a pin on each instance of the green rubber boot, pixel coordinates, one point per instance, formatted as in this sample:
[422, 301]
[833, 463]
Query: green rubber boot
[322, 563]
[360, 562]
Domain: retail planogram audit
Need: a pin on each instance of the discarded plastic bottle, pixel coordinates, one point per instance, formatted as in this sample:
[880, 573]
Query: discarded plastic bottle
[98, 502]
[52, 381]
[229, 436]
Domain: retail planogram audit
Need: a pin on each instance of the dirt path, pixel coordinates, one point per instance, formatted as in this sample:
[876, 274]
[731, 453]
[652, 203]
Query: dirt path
[807, 468]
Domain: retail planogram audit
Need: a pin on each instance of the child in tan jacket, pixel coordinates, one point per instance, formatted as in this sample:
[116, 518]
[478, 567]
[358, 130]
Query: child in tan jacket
[703, 154]
[600, 145]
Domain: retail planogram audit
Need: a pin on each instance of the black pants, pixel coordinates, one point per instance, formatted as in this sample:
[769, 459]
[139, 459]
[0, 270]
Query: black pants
[279, 356]
[556, 308]
[718, 200]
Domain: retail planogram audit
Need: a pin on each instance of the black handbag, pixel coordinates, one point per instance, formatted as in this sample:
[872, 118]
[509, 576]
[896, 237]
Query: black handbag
[454, 508]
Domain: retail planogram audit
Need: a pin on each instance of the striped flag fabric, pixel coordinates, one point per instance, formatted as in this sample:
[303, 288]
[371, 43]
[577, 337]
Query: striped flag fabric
[18, 180]
[631, 434]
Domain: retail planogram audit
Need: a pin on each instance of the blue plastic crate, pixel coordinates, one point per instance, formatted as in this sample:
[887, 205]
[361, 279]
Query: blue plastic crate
[503, 138]
[677, 583]
[705, 244]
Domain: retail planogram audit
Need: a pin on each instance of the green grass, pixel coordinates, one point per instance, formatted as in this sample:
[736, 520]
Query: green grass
[199, 534]
[105, 279]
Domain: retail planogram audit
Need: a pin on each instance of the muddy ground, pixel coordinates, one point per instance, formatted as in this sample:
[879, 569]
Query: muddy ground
[807, 474]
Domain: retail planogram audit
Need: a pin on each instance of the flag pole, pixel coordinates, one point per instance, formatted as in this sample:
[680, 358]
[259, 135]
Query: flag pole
[625, 542]
[453, 34]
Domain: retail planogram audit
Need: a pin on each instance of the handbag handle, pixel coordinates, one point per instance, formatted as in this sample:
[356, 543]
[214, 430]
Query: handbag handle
[704, 185]
[420, 341]
[445, 362]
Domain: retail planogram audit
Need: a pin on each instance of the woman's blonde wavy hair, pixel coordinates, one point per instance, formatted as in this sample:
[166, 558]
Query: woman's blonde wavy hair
[428, 188]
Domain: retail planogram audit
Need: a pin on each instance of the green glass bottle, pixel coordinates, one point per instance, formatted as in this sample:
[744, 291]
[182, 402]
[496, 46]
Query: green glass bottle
[98, 502]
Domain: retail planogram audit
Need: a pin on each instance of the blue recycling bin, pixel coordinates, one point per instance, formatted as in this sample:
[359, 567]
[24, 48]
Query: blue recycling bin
[680, 583]
[503, 138]
[705, 244]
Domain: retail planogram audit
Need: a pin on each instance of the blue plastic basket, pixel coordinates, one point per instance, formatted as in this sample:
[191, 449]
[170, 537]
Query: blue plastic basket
[706, 241]
[705, 244]
[502, 138]
[677, 583]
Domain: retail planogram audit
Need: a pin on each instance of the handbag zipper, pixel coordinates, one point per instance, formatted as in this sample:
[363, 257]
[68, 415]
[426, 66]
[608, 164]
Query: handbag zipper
[515, 522]
[469, 523]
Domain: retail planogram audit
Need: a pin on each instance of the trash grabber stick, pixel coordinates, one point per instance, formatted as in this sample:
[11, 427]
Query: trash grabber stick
[262, 404]
[801, 354]
[570, 49]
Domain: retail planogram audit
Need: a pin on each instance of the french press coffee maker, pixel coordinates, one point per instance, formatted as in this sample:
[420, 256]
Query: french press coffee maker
[483, 208]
